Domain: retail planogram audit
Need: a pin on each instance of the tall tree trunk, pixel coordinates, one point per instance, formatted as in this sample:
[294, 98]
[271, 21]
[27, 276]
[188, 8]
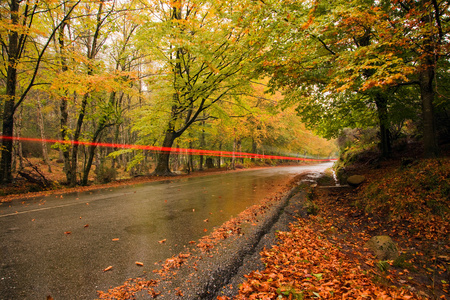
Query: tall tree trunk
[11, 83]
[116, 141]
[162, 167]
[426, 76]
[202, 145]
[233, 157]
[63, 107]
[219, 158]
[383, 119]
[254, 145]
[76, 138]
[191, 158]
[102, 124]
[19, 145]
[64, 136]
[41, 129]
[91, 154]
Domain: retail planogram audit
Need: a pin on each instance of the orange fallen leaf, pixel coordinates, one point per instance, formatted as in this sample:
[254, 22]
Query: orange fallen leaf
[140, 264]
[162, 241]
[192, 242]
[67, 232]
[107, 269]
[115, 240]
[205, 220]
[87, 225]
[205, 230]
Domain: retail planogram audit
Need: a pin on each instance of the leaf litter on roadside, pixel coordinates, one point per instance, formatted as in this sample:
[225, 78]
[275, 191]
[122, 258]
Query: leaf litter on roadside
[305, 265]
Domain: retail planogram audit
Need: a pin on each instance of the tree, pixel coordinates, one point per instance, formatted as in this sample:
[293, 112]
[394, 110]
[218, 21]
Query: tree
[341, 60]
[82, 78]
[202, 47]
[19, 40]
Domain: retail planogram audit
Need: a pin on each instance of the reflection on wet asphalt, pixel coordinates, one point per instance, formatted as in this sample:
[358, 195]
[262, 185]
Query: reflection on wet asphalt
[59, 245]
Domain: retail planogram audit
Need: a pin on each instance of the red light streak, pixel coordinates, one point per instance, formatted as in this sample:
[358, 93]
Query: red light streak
[166, 149]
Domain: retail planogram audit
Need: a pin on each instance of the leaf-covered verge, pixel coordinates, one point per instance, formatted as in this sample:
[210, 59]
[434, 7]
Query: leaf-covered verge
[415, 193]
[323, 256]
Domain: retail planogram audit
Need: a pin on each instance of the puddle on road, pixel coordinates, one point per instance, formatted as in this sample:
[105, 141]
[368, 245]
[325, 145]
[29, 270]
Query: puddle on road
[144, 228]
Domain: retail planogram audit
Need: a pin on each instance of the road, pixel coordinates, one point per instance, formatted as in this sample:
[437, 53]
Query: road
[60, 245]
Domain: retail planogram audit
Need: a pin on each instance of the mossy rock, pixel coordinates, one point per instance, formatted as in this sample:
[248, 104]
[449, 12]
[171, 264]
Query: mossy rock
[311, 208]
[383, 247]
[356, 180]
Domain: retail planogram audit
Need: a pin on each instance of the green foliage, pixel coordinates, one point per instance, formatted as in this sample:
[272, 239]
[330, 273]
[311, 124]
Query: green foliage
[290, 292]
[354, 64]
[383, 265]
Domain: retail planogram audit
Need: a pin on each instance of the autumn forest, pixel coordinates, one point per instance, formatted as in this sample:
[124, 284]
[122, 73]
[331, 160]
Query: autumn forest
[100, 96]
[282, 78]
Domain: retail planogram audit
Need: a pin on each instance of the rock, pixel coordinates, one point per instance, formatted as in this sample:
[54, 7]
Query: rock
[311, 208]
[383, 247]
[355, 180]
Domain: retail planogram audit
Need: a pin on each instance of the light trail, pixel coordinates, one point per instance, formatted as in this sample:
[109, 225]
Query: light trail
[166, 149]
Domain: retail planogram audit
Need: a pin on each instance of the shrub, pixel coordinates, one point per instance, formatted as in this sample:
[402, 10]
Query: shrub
[105, 174]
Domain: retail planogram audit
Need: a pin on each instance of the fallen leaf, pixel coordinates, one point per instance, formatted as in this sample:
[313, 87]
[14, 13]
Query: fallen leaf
[67, 232]
[205, 230]
[107, 269]
[162, 241]
[87, 225]
[140, 264]
[205, 220]
[115, 240]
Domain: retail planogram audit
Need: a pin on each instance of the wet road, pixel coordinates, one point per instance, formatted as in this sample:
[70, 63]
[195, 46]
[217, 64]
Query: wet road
[59, 246]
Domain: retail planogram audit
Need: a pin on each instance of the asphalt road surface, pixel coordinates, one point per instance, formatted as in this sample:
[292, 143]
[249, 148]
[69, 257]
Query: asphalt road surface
[60, 245]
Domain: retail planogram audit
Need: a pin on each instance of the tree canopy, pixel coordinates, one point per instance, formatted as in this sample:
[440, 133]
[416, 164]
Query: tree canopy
[239, 76]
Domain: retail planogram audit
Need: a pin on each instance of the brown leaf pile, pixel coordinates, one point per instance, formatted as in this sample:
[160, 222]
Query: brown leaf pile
[129, 289]
[305, 265]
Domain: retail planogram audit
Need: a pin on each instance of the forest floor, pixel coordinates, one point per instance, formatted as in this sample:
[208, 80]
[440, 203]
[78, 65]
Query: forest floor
[324, 255]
